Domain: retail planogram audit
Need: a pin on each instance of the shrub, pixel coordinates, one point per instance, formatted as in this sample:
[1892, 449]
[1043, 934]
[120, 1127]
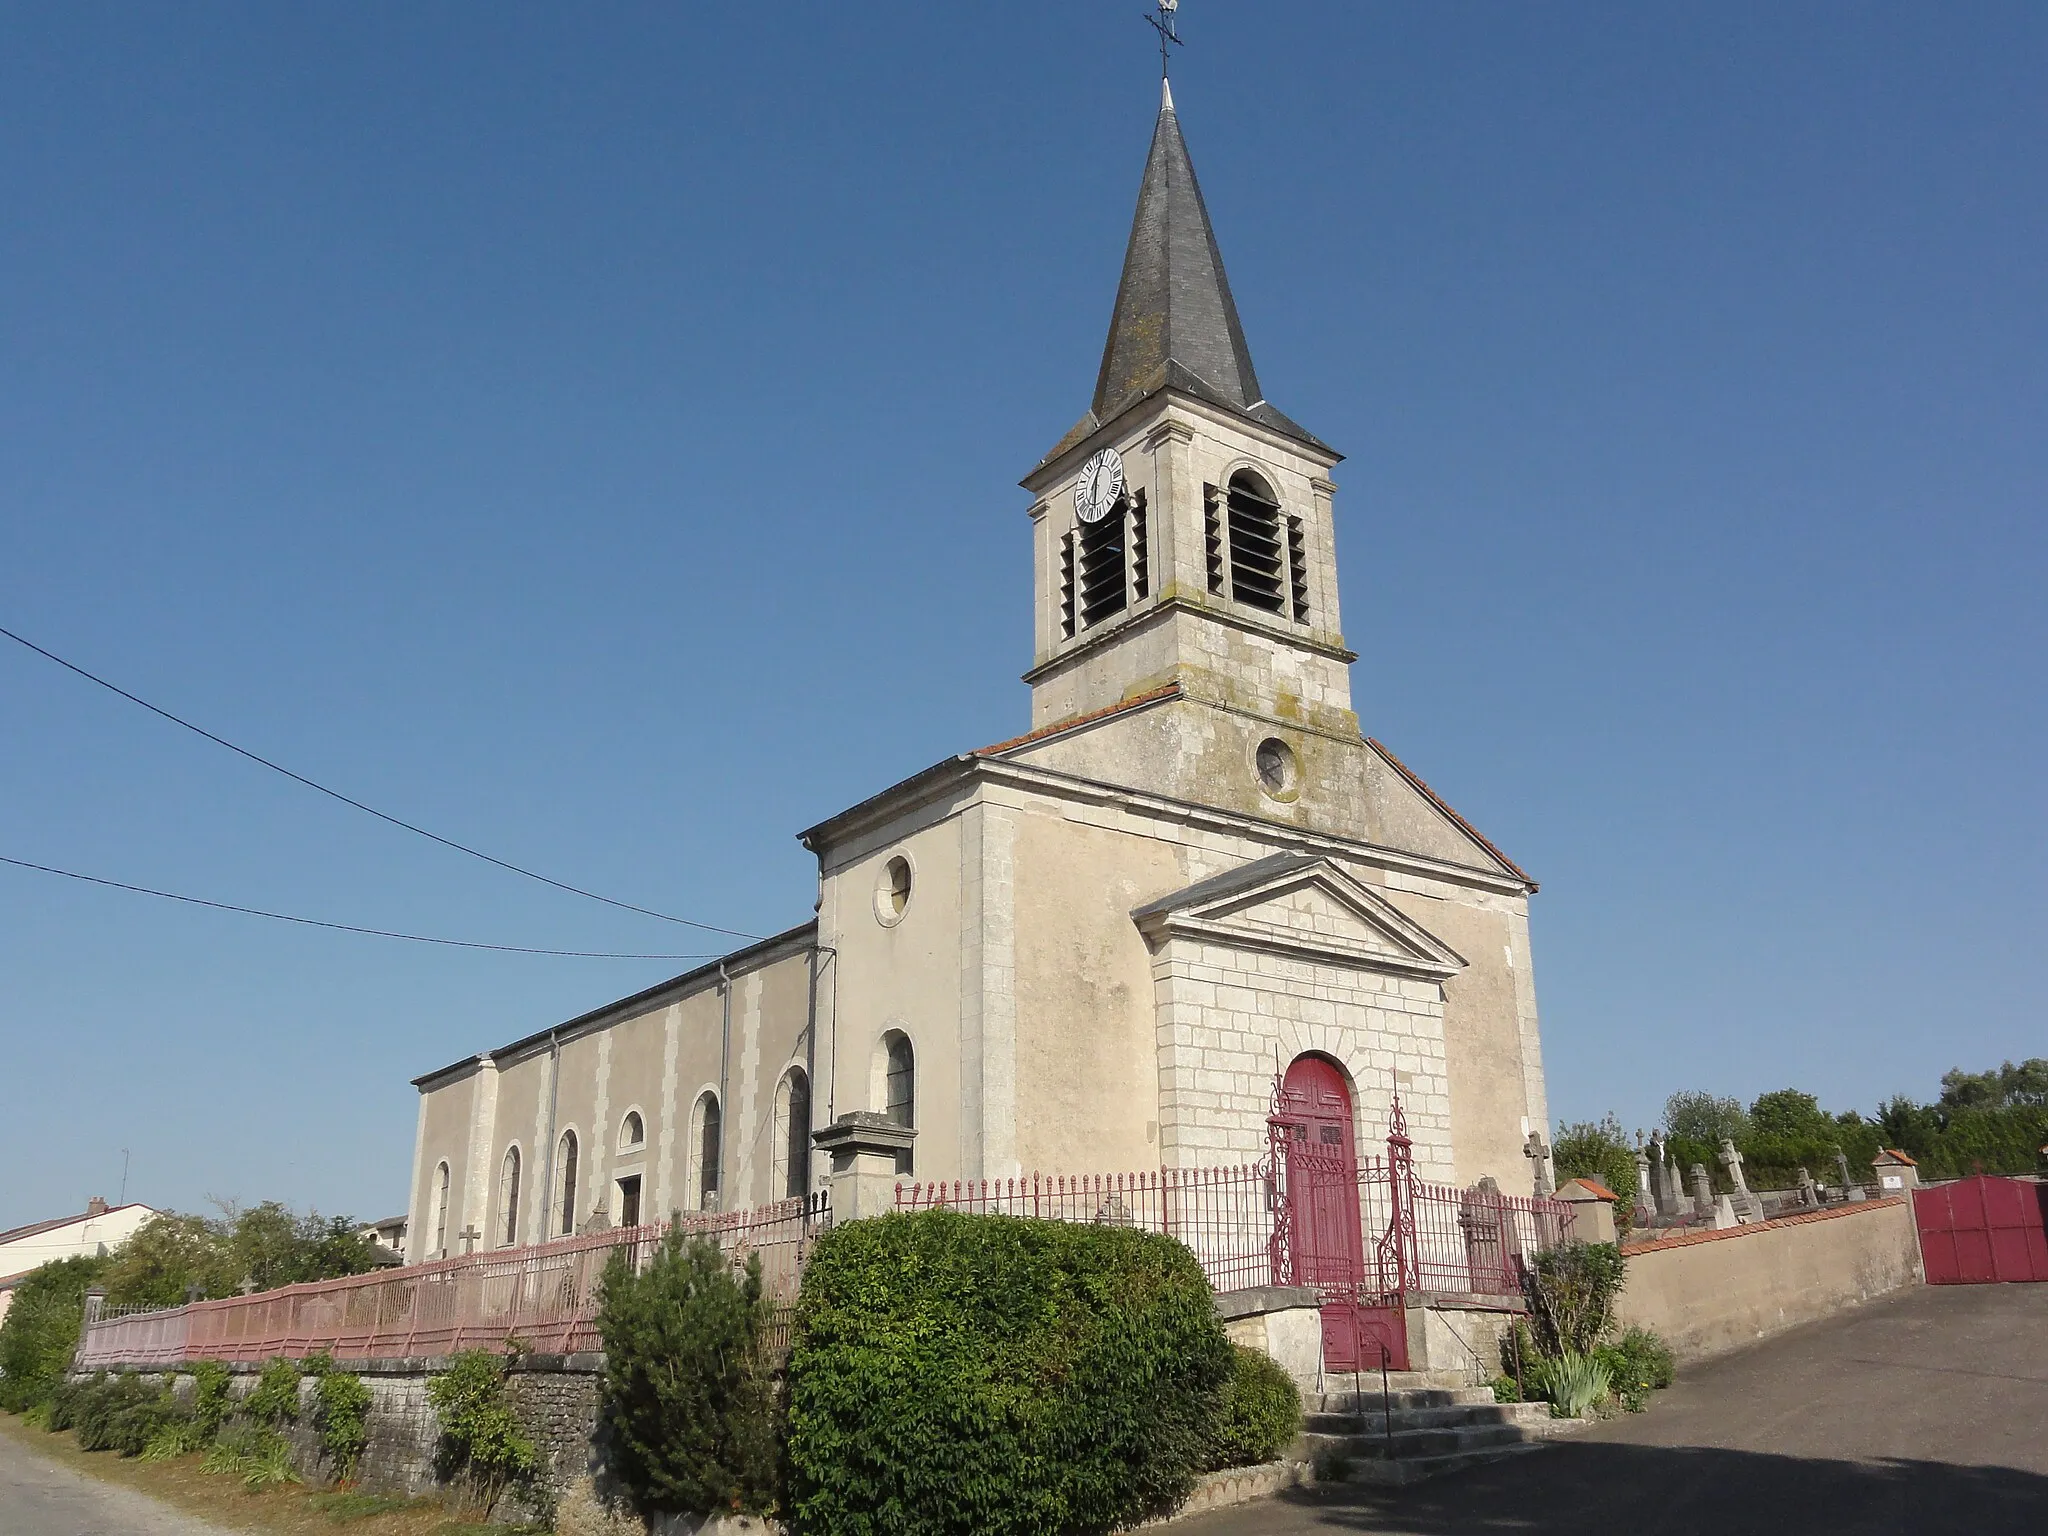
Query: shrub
[1505, 1390]
[1638, 1363]
[1259, 1414]
[124, 1414]
[481, 1440]
[212, 1396]
[992, 1374]
[258, 1455]
[686, 1397]
[275, 1398]
[69, 1397]
[1572, 1383]
[1574, 1291]
[341, 1413]
[40, 1332]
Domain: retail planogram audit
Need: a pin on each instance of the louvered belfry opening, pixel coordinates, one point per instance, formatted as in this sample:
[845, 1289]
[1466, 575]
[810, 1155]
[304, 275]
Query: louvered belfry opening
[1102, 567]
[1212, 537]
[1258, 558]
[1141, 558]
[1067, 586]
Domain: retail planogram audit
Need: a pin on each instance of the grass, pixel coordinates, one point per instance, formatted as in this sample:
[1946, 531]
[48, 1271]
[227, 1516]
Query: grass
[279, 1509]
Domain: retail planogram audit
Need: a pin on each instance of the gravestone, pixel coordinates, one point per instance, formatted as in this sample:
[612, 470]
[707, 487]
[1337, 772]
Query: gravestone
[470, 1238]
[1702, 1193]
[1724, 1214]
[1809, 1197]
[1645, 1205]
[1747, 1206]
[1539, 1159]
[1851, 1190]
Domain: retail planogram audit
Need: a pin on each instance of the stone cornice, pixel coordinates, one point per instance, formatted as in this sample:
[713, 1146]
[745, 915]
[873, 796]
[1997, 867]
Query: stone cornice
[1319, 950]
[1172, 601]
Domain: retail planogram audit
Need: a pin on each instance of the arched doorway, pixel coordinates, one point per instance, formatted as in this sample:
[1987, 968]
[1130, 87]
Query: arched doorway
[1315, 1121]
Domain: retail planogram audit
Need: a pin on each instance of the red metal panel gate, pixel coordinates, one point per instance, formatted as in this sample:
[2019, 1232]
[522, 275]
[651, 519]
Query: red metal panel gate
[1983, 1230]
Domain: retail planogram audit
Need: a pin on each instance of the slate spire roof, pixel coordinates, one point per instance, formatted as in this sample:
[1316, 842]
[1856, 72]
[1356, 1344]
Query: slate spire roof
[1175, 324]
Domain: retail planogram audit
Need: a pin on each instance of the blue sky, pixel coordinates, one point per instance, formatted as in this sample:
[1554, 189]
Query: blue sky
[594, 435]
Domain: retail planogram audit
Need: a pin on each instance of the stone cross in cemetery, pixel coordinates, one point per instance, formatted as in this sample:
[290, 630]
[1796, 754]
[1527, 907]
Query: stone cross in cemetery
[1851, 1190]
[1809, 1197]
[1539, 1158]
[1669, 1195]
[1702, 1193]
[1747, 1206]
[1646, 1206]
[470, 1238]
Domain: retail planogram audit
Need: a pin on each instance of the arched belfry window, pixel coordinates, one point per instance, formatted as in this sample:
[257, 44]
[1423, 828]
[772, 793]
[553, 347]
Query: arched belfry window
[1257, 544]
[1257, 554]
[632, 1131]
[565, 1162]
[508, 1198]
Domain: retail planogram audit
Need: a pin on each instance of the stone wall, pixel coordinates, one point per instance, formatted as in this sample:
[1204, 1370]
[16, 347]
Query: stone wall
[555, 1397]
[1710, 1292]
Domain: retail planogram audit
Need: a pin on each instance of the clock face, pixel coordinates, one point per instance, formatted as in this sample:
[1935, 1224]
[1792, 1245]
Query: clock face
[1100, 487]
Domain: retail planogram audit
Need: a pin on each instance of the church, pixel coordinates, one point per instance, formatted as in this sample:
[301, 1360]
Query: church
[1191, 893]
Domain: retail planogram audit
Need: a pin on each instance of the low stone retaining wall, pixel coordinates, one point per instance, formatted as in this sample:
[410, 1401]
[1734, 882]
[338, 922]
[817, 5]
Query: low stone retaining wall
[1711, 1292]
[555, 1397]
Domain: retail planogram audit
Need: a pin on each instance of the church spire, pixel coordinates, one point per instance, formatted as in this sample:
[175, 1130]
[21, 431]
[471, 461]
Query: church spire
[1175, 323]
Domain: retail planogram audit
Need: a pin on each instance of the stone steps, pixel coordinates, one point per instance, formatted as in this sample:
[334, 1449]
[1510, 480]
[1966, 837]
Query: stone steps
[1425, 1432]
[1446, 1416]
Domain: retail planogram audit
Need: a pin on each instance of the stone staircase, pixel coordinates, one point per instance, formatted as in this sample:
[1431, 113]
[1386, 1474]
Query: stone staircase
[1433, 1422]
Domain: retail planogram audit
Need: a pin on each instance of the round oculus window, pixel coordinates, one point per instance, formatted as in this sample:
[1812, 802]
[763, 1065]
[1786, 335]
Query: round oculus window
[892, 890]
[1278, 773]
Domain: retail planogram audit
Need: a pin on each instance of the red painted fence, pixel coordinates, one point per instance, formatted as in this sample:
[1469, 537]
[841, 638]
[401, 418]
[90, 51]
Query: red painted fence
[545, 1296]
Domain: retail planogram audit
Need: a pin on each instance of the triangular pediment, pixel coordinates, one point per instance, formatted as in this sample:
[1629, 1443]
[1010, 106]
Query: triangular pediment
[1306, 906]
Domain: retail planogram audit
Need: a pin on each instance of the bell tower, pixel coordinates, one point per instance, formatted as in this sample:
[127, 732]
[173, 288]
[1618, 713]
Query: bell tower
[1182, 530]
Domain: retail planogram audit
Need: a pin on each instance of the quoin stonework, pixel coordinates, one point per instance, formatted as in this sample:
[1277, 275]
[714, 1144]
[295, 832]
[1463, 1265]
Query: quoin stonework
[1191, 892]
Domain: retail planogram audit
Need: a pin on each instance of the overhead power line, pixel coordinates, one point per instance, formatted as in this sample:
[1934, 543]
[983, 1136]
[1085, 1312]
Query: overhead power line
[314, 922]
[369, 810]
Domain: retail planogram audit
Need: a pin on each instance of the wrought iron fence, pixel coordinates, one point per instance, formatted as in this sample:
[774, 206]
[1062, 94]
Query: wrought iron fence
[1223, 1215]
[545, 1297]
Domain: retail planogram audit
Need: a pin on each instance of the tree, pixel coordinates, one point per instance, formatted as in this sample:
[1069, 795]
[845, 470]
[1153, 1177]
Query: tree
[2009, 1087]
[685, 1392]
[1601, 1152]
[265, 1244]
[1696, 1116]
[1791, 1115]
[41, 1330]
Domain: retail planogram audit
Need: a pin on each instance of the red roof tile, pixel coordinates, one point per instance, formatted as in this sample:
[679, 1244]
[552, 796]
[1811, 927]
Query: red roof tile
[1895, 1152]
[1599, 1189]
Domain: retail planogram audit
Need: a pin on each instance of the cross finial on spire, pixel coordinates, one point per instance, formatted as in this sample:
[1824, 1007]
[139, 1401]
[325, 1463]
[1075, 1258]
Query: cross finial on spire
[1163, 24]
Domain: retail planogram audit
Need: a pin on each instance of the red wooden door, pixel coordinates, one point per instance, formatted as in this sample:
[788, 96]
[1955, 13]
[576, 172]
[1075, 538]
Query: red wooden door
[1983, 1231]
[1327, 1240]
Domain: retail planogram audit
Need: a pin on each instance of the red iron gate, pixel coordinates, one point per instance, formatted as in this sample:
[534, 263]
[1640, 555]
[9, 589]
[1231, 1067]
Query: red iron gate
[1983, 1230]
[1323, 1243]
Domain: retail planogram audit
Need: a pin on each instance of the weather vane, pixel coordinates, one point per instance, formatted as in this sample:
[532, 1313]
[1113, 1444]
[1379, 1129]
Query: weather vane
[1163, 24]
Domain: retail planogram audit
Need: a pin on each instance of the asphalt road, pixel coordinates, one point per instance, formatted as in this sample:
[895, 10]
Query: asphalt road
[1923, 1414]
[40, 1497]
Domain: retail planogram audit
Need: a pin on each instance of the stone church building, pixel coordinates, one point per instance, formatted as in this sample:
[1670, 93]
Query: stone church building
[1097, 947]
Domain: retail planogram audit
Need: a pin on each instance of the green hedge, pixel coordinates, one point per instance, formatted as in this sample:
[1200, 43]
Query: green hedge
[992, 1375]
[1259, 1414]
